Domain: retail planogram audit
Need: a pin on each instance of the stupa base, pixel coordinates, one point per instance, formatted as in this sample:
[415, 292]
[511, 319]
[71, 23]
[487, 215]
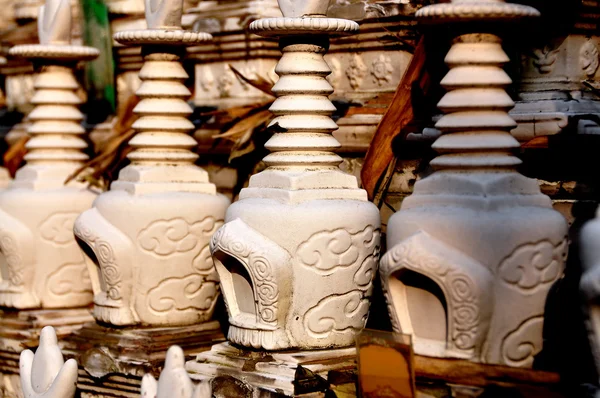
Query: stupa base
[112, 361]
[20, 330]
[290, 373]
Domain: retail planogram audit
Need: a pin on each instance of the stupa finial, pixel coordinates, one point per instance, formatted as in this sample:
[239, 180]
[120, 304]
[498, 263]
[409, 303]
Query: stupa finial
[303, 8]
[54, 22]
[164, 14]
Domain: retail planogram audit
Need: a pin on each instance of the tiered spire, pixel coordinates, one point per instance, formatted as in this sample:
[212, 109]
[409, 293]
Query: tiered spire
[476, 105]
[303, 109]
[159, 271]
[162, 138]
[302, 146]
[303, 125]
[476, 244]
[55, 121]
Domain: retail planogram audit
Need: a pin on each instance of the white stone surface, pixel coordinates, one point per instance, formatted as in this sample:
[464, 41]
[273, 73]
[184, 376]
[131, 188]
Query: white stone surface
[41, 264]
[147, 240]
[306, 8]
[174, 381]
[475, 250]
[299, 250]
[46, 374]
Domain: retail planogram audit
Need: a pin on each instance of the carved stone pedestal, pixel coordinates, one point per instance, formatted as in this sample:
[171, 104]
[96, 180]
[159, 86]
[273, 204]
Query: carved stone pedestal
[112, 360]
[21, 329]
[284, 372]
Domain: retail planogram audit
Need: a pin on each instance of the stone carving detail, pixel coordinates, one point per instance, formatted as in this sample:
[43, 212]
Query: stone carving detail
[58, 228]
[206, 78]
[261, 272]
[166, 237]
[336, 71]
[547, 261]
[46, 374]
[182, 294]
[356, 72]
[150, 233]
[351, 316]
[545, 58]
[225, 83]
[477, 246]
[174, 381]
[327, 251]
[106, 259]
[14, 261]
[70, 279]
[302, 241]
[589, 58]
[38, 246]
[519, 347]
[382, 70]
[463, 281]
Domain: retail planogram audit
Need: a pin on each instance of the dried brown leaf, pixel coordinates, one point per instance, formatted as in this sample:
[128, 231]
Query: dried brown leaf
[237, 112]
[242, 131]
[13, 157]
[261, 83]
[101, 170]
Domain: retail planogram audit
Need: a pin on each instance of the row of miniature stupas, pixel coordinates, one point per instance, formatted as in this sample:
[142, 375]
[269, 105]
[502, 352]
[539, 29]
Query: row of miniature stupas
[472, 254]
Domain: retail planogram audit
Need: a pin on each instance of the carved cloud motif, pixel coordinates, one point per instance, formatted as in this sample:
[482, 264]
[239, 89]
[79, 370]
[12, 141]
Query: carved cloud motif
[58, 228]
[70, 279]
[533, 265]
[327, 251]
[337, 313]
[166, 237]
[192, 292]
[519, 346]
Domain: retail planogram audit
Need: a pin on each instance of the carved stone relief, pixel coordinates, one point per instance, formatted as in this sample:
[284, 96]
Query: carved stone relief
[588, 58]
[298, 252]
[42, 266]
[146, 241]
[545, 58]
[476, 247]
[356, 71]
[382, 70]
[216, 84]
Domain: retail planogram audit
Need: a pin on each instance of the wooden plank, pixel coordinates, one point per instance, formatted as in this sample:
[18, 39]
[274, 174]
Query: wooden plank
[458, 371]
[399, 115]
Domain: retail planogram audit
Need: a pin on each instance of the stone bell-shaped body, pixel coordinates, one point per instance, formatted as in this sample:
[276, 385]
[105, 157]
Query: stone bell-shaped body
[147, 239]
[475, 250]
[299, 250]
[40, 261]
